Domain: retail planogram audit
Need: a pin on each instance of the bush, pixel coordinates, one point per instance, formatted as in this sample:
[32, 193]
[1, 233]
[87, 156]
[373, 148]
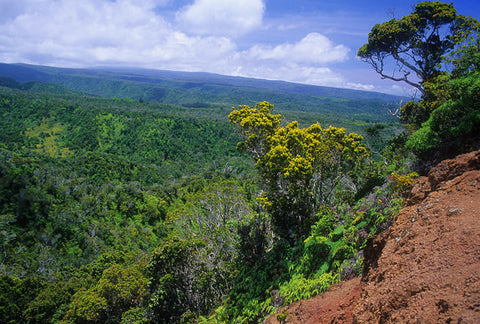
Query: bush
[453, 127]
[403, 183]
[301, 288]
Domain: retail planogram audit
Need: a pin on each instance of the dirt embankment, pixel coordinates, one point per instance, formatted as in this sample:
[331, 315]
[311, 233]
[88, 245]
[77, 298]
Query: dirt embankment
[425, 268]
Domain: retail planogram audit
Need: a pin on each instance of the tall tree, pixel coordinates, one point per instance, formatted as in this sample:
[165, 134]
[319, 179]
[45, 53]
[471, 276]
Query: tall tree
[417, 43]
[300, 167]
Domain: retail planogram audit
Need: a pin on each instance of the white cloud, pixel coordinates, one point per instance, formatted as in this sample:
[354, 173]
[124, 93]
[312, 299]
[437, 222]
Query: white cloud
[288, 72]
[400, 90]
[89, 32]
[360, 86]
[222, 17]
[134, 33]
[313, 49]
[180, 51]
[81, 30]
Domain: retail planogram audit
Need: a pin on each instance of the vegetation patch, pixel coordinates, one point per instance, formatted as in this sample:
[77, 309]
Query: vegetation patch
[48, 135]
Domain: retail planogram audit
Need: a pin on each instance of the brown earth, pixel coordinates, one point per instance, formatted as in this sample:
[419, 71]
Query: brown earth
[425, 268]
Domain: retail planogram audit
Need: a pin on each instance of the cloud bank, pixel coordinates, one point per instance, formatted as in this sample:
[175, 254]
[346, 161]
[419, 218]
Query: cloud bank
[200, 35]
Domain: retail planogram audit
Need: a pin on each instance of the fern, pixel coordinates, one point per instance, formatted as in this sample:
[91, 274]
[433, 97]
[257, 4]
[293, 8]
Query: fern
[301, 288]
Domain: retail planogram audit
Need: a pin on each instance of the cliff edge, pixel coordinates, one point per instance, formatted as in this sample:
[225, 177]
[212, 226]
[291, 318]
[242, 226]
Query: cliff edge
[425, 268]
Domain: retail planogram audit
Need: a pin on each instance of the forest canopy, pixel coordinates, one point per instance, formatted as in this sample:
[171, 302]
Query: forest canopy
[125, 210]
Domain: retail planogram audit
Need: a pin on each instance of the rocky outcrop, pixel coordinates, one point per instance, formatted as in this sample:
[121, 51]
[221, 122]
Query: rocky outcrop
[444, 171]
[425, 268]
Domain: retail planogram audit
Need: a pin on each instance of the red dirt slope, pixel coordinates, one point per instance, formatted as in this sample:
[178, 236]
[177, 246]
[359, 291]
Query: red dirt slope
[425, 268]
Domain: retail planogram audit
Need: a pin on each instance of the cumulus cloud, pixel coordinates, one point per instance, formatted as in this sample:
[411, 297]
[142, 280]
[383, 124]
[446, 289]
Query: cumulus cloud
[89, 32]
[199, 37]
[313, 48]
[222, 17]
[80, 30]
[183, 52]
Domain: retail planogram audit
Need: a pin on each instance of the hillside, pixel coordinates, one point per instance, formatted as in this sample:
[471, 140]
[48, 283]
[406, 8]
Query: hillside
[134, 195]
[153, 201]
[424, 269]
[194, 90]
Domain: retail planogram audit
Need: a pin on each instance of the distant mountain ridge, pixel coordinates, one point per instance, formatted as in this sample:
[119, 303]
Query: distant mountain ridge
[200, 88]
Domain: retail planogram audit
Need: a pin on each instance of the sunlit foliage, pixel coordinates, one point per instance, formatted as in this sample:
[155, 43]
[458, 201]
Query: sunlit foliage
[301, 167]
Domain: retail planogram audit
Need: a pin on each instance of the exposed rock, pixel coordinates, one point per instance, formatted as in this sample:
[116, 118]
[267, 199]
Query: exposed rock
[444, 171]
[425, 268]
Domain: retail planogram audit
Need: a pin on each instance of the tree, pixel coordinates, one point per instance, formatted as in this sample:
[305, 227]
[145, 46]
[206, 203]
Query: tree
[300, 167]
[120, 289]
[15, 295]
[257, 125]
[418, 42]
[175, 283]
[467, 58]
[452, 128]
[214, 215]
[448, 116]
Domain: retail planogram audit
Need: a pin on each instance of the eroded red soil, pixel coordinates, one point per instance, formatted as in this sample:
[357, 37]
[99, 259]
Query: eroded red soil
[425, 268]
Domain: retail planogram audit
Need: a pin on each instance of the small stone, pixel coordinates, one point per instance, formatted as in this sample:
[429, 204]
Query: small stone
[453, 211]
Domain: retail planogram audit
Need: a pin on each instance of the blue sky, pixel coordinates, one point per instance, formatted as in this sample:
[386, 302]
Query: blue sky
[305, 41]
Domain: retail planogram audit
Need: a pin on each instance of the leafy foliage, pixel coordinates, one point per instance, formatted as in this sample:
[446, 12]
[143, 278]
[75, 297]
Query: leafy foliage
[332, 251]
[193, 269]
[120, 289]
[128, 211]
[402, 183]
[445, 121]
[452, 127]
[301, 168]
[177, 284]
[417, 42]
[15, 296]
[82, 176]
[276, 268]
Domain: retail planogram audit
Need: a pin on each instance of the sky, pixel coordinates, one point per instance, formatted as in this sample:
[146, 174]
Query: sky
[304, 41]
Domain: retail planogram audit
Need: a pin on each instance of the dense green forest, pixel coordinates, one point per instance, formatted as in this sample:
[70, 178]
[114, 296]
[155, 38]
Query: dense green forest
[120, 208]
[203, 90]
[89, 184]
[126, 210]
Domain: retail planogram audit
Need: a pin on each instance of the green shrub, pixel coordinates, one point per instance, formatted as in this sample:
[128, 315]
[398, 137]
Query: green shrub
[452, 127]
[300, 287]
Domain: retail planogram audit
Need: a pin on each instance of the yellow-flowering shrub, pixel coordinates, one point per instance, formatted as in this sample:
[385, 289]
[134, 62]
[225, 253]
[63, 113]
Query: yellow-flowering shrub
[403, 183]
[301, 167]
